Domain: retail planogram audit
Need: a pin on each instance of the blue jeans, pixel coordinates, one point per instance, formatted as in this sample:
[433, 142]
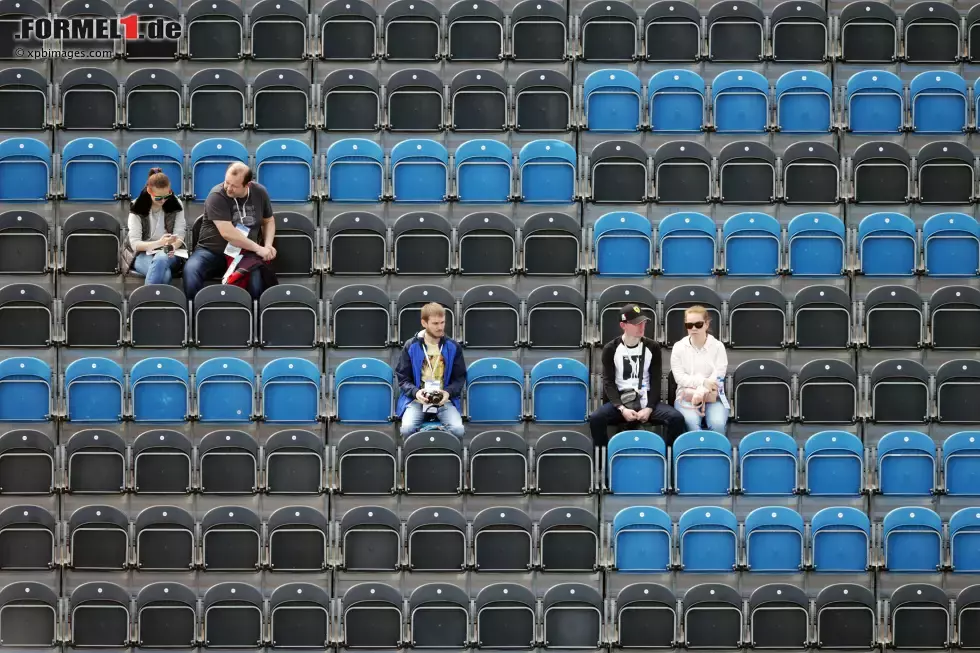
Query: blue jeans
[715, 414]
[204, 264]
[448, 416]
[157, 267]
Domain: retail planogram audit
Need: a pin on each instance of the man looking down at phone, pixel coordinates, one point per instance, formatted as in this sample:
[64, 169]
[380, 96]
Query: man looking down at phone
[431, 375]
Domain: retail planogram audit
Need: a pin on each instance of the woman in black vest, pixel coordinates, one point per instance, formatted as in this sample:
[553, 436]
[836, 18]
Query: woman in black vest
[155, 246]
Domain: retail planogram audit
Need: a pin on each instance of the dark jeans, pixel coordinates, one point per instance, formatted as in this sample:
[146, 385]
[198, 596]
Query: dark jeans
[608, 414]
[203, 264]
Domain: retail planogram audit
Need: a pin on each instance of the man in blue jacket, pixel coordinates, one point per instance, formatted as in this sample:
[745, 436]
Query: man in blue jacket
[431, 375]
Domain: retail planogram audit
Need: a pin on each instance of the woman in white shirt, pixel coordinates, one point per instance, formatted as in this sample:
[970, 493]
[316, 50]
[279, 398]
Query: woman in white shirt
[699, 363]
[156, 232]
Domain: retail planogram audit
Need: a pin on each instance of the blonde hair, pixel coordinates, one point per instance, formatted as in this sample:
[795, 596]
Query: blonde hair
[432, 309]
[697, 308]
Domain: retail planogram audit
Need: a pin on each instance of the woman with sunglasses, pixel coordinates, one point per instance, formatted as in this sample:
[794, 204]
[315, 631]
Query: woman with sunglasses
[699, 363]
[155, 245]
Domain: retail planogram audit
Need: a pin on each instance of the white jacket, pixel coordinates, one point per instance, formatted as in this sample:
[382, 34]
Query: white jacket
[692, 367]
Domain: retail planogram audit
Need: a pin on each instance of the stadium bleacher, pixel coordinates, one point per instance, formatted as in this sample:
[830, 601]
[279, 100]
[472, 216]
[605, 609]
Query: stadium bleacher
[807, 171]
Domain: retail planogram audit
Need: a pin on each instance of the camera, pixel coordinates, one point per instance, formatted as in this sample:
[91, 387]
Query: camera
[432, 396]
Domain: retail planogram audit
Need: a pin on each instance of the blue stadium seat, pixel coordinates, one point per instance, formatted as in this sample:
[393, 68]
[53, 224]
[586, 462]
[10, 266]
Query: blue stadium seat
[25, 170]
[687, 245]
[767, 464]
[547, 168]
[740, 100]
[419, 171]
[816, 245]
[951, 245]
[708, 539]
[834, 464]
[840, 540]
[774, 540]
[961, 463]
[364, 391]
[702, 464]
[622, 242]
[225, 390]
[906, 464]
[912, 540]
[642, 540]
[285, 167]
[559, 391]
[94, 390]
[612, 101]
[637, 462]
[495, 391]
[290, 391]
[90, 170]
[210, 160]
[160, 390]
[148, 153]
[875, 103]
[939, 104]
[887, 245]
[804, 102]
[484, 172]
[752, 244]
[676, 101]
[964, 540]
[355, 171]
[25, 390]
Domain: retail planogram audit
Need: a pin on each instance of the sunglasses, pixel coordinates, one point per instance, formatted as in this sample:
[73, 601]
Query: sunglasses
[160, 198]
[693, 325]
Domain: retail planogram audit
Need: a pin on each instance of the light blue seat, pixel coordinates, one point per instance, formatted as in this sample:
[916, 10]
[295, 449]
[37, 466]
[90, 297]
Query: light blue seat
[906, 464]
[285, 167]
[622, 242]
[708, 540]
[642, 540]
[740, 99]
[834, 464]
[816, 245]
[148, 153]
[25, 170]
[225, 390]
[355, 171]
[964, 540]
[767, 464]
[939, 104]
[94, 390]
[913, 540]
[210, 160]
[484, 172]
[687, 245]
[160, 390]
[804, 102]
[547, 168]
[702, 464]
[961, 463]
[419, 171]
[675, 100]
[752, 243]
[875, 103]
[559, 391]
[774, 540]
[495, 391]
[840, 540]
[25, 390]
[887, 245]
[90, 170]
[291, 391]
[364, 391]
[951, 245]
[637, 462]
[612, 101]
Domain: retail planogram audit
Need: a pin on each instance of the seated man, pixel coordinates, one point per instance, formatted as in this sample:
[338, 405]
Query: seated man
[431, 374]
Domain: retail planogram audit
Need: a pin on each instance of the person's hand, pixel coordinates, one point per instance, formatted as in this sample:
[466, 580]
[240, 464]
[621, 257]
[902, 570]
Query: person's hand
[264, 253]
[273, 252]
[630, 415]
[710, 385]
[644, 414]
[420, 397]
[445, 398]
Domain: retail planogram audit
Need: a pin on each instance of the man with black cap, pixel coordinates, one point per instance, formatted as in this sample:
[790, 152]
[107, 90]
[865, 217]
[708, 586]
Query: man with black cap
[631, 382]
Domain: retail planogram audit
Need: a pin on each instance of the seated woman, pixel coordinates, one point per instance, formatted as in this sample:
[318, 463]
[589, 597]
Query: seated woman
[155, 245]
[699, 363]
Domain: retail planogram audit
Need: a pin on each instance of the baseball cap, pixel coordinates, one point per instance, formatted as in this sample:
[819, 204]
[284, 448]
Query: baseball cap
[633, 314]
